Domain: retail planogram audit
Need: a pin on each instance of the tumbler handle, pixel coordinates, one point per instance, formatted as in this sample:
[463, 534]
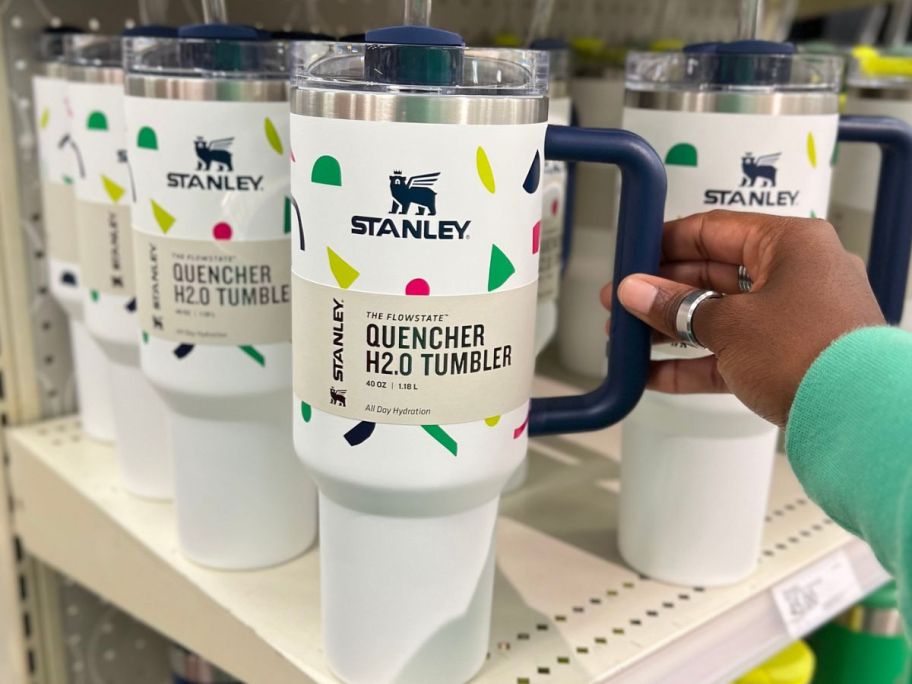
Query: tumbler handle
[639, 241]
[891, 237]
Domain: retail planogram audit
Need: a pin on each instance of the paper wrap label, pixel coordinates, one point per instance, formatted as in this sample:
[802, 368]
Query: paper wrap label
[57, 204]
[413, 360]
[212, 220]
[105, 248]
[415, 268]
[206, 292]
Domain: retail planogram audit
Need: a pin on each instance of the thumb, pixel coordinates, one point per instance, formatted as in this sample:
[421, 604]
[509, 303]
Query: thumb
[656, 301]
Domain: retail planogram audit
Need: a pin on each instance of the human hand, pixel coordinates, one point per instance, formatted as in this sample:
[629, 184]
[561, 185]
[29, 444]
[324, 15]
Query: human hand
[807, 292]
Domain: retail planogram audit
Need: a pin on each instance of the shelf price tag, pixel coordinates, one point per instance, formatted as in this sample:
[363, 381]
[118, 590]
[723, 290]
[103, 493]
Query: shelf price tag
[813, 596]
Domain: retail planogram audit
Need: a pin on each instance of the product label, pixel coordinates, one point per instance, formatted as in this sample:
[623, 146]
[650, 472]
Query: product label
[809, 598]
[212, 220]
[415, 268]
[105, 247]
[413, 360]
[554, 191]
[57, 204]
[104, 188]
[208, 292]
[740, 162]
[57, 159]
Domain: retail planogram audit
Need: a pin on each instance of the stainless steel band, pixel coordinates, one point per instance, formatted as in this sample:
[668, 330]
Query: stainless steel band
[733, 102]
[443, 109]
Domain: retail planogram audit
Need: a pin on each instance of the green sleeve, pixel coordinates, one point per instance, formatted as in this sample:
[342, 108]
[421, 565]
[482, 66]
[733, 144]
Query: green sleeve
[849, 440]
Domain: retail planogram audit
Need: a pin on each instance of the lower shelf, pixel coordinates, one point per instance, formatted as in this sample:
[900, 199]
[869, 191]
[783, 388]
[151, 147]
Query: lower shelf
[567, 609]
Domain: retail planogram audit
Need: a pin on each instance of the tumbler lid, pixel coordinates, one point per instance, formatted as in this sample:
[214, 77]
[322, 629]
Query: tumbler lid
[93, 50]
[742, 65]
[150, 31]
[222, 32]
[420, 60]
[50, 44]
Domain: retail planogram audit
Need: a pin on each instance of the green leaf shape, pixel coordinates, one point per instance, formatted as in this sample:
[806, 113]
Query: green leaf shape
[272, 135]
[147, 139]
[439, 434]
[162, 217]
[97, 121]
[45, 117]
[253, 354]
[812, 150]
[343, 271]
[326, 171]
[114, 190]
[306, 411]
[485, 173]
[500, 268]
[286, 221]
[682, 154]
[835, 158]
[492, 421]
[145, 337]
[94, 295]
[68, 180]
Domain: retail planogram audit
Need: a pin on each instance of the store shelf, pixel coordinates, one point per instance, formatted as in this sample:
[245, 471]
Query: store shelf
[566, 607]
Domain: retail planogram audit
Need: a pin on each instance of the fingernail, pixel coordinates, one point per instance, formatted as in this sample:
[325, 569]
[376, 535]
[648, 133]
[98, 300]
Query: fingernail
[637, 295]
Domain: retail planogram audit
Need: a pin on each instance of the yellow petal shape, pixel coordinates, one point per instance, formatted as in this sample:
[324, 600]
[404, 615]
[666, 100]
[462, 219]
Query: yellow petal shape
[812, 150]
[484, 170]
[45, 116]
[272, 135]
[115, 191]
[162, 217]
[344, 272]
[492, 421]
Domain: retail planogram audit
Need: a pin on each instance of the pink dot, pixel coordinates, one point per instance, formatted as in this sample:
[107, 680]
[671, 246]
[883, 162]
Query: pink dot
[221, 231]
[418, 288]
[536, 237]
[555, 205]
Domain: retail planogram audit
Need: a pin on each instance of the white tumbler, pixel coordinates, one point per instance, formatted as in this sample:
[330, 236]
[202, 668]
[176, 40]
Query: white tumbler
[207, 135]
[878, 85]
[105, 247]
[747, 126]
[417, 169]
[61, 164]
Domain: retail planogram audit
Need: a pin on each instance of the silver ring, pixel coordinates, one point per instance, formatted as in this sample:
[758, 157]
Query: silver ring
[685, 314]
[745, 282]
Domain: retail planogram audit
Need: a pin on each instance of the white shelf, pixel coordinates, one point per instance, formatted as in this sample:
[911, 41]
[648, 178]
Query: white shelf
[564, 601]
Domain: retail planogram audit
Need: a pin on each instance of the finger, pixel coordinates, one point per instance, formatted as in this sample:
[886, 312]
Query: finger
[607, 301]
[656, 301]
[686, 376]
[731, 237]
[706, 275]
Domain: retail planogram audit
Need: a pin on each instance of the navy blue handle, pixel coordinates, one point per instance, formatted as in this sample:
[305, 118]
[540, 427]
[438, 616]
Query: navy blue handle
[639, 241]
[891, 237]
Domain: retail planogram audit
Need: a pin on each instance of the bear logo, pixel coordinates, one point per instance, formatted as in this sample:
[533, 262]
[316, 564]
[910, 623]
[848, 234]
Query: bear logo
[414, 190]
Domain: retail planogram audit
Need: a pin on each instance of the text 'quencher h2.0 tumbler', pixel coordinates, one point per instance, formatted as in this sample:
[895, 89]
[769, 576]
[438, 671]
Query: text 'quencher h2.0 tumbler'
[60, 162]
[416, 166]
[207, 128]
[744, 126]
[105, 246]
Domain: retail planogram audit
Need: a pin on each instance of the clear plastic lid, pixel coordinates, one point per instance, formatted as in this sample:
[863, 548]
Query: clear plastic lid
[733, 71]
[206, 58]
[93, 50]
[50, 44]
[420, 69]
